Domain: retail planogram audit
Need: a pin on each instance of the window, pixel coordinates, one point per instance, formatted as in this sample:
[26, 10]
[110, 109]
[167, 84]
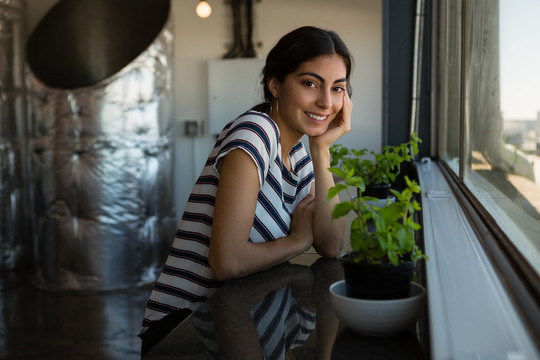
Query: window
[488, 110]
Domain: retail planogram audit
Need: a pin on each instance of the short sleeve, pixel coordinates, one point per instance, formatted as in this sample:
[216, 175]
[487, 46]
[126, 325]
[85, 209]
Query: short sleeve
[257, 135]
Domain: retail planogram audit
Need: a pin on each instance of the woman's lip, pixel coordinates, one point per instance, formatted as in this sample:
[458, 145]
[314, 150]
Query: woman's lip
[317, 117]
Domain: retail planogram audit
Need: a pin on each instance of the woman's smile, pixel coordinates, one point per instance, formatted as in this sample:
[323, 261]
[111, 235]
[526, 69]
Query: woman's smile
[317, 117]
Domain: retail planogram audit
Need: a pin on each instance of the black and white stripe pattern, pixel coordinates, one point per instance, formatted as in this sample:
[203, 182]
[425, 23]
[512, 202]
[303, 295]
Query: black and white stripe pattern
[281, 324]
[187, 279]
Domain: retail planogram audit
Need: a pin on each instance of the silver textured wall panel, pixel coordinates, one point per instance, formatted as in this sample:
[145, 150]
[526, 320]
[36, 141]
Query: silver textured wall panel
[102, 172]
[15, 231]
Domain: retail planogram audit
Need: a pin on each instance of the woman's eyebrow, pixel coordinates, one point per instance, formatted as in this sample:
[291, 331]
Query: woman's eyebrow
[319, 77]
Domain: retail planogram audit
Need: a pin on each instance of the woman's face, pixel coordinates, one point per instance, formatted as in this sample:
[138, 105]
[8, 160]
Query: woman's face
[311, 97]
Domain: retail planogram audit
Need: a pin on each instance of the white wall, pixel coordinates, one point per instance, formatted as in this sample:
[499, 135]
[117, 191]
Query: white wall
[358, 22]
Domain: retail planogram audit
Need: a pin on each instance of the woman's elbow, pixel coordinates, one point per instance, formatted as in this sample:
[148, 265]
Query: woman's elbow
[222, 270]
[330, 244]
[330, 249]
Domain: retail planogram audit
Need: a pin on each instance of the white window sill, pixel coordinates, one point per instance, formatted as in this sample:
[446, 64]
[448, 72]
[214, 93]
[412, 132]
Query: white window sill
[471, 316]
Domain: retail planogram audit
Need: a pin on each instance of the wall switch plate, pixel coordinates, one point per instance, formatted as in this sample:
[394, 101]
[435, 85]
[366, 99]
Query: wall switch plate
[191, 128]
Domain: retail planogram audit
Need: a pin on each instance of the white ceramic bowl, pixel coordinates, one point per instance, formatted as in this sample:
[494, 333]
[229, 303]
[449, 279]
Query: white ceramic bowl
[377, 317]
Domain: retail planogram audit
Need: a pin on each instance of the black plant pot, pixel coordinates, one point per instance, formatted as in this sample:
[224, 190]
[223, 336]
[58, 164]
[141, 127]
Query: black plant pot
[377, 281]
[381, 191]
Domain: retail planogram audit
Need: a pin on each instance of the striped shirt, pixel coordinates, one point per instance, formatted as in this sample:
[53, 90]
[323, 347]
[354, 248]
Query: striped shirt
[186, 280]
[280, 321]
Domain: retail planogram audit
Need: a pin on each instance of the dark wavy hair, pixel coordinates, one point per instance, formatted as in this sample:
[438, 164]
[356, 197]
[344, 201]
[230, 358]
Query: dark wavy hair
[297, 47]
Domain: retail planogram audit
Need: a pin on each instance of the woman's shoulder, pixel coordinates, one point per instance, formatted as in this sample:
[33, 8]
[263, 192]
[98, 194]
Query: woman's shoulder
[256, 117]
[258, 123]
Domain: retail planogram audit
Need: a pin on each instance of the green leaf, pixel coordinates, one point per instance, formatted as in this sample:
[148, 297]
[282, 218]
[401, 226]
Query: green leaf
[393, 257]
[356, 239]
[338, 171]
[414, 225]
[412, 185]
[336, 190]
[378, 220]
[392, 212]
[401, 235]
[356, 224]
[341, 209]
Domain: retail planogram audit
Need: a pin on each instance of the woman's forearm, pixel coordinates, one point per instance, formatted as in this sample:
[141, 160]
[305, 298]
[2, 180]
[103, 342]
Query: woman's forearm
[328, 234]
[248, 258]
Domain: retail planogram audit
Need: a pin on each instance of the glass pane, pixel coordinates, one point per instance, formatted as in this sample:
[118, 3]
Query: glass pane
[502, 104]
[449, 63]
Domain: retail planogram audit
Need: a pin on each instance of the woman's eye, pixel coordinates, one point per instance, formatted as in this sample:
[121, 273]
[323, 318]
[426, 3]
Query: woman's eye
[309, 83]
[339, 89]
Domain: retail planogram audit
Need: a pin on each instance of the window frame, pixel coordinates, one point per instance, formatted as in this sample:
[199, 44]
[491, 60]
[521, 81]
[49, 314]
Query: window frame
[519, 278]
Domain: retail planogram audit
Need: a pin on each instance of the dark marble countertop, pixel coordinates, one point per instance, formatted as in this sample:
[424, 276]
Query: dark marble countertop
[285, 313]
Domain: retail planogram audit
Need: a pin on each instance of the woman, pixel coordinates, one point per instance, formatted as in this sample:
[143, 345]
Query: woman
[261, 199]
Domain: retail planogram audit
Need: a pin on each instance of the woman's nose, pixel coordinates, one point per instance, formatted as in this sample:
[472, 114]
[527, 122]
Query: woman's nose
[325, 99]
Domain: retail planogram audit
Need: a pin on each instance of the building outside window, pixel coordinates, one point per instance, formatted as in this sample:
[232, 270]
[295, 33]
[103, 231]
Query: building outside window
[488, 119]
[489, 111]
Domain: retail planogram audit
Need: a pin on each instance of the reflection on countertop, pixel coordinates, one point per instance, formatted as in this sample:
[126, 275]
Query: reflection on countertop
[40, 324]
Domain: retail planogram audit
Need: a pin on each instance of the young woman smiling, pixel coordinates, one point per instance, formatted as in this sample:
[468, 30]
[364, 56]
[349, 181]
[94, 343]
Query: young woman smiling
[261, 198]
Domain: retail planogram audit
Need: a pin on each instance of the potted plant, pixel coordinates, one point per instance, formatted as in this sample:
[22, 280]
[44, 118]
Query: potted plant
[378, 170]
[381, 236]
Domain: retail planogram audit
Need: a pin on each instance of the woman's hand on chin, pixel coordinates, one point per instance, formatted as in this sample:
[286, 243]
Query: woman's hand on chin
[338, 127]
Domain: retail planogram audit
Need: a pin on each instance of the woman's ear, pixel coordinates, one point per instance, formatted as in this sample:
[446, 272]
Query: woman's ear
[273, 86]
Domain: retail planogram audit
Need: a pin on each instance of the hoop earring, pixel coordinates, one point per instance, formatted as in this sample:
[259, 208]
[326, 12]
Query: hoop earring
[277, 109]
[271, 108]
